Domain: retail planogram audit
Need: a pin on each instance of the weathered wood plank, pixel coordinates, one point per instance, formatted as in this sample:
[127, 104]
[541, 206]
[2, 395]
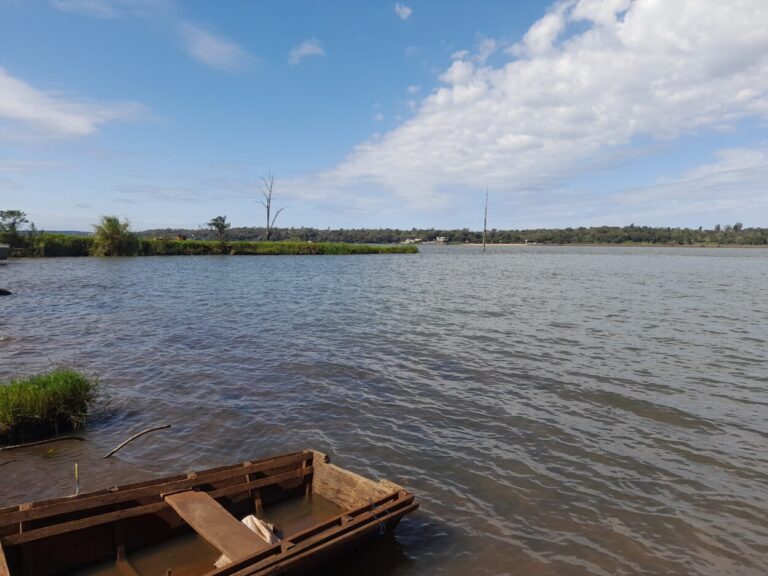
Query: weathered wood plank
[72, 525]
[4, 571]
[388, 508]
[261, 482]
[125, 568]
[105, 518]
[158, 487]
[216, 526]
[303, 558]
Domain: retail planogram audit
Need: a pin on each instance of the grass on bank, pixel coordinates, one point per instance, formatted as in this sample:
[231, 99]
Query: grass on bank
[44, 405]
[52, 245]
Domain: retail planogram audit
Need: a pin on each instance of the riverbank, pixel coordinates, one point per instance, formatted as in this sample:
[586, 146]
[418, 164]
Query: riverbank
[64, 245]
[605, 245]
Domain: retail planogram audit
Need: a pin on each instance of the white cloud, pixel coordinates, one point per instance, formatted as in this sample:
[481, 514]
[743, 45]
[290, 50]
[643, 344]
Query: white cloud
[212, 50]
[29, 113]
[98, 8]
[378, 117]
[411, 51]
[403, 12]
[727, 190]
[485, 49]
[590, 78]
[109, 8]
[414, 89]
[310, 47]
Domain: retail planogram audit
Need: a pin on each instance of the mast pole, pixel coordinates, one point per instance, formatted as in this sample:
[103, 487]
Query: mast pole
[485, 219]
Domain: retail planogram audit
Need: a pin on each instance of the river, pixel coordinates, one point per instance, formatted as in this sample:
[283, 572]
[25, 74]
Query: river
[557, 411]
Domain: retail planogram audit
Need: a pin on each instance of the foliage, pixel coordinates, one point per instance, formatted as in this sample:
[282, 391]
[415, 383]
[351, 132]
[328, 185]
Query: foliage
[220, 225]
[314, 241]
[645, 235]
[114, 238]
[45, 404]
[46, 244]
[10, 222]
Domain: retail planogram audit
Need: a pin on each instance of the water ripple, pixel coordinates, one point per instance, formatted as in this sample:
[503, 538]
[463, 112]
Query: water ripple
[557, 410]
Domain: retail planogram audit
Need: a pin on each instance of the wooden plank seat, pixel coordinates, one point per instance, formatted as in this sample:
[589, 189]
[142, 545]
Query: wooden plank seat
[215, 525]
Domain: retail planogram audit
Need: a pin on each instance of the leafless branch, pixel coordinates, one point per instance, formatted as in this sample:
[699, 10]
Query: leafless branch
[137, 435]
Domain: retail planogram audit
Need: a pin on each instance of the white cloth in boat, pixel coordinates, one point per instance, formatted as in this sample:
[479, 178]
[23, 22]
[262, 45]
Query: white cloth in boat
[262, 529]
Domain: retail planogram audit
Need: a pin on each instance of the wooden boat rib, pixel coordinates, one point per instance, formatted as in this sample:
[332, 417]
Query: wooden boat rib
[65, 535]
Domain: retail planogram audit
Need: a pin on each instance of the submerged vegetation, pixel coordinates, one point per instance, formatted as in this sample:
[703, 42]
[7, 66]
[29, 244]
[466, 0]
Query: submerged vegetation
[45, 404]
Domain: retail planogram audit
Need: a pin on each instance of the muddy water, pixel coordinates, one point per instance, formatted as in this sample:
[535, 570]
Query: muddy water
[556, 410]
[190, 555]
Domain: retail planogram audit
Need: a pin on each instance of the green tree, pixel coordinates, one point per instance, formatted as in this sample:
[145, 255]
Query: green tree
[221, 226]
[10, 221]
[114, 238]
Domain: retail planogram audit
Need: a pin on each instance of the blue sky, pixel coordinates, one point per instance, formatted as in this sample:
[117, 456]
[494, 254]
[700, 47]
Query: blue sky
[383, 114]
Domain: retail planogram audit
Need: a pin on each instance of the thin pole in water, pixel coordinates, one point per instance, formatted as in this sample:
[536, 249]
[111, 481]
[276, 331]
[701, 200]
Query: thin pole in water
[485, 219]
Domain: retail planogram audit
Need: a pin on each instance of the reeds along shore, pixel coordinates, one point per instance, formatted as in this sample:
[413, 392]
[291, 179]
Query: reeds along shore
[45, 404]
[54, 245]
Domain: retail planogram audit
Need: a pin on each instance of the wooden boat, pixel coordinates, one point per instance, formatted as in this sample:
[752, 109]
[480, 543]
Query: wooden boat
[320, 512]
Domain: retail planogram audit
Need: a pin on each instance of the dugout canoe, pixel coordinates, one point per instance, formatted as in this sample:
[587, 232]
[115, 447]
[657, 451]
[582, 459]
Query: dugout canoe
[184, 523]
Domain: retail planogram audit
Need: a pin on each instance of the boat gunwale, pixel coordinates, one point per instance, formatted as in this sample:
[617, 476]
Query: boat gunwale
[394, 506]
[47, 509]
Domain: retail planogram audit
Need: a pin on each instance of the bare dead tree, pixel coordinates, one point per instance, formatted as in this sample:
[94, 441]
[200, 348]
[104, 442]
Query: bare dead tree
[267, 185]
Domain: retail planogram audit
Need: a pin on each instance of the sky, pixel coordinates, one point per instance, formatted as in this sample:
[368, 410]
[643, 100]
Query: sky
[382, 114]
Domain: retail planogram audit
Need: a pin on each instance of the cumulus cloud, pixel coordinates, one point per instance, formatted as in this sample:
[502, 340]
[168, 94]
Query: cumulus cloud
[485, 49]
[403, 12]
[212, 50]
[587, 79]
[310, 47]
[27, 112]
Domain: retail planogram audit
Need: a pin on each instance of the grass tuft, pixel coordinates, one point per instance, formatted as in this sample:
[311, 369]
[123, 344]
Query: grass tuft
[44, 405]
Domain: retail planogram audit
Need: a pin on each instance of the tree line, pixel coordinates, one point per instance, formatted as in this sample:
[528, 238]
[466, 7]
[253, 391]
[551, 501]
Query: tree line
[112, 235]
[735, 234]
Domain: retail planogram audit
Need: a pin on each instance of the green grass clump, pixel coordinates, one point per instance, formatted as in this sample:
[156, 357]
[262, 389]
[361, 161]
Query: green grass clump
[45, 404]
[55, 245]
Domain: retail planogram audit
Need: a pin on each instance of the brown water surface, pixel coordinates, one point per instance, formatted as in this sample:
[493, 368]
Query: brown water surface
[559, 411]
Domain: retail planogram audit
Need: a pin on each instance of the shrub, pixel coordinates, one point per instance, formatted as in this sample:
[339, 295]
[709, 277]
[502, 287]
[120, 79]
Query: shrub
[114, 238]
[45, 244]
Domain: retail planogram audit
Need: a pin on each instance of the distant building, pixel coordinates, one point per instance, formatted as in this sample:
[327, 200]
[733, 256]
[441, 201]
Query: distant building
[441, 239]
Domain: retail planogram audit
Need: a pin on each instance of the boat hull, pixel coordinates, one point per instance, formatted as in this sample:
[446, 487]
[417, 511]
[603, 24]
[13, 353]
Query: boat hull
[70, 534]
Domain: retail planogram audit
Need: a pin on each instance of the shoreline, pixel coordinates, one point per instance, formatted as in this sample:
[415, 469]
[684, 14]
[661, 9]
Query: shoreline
[605, 245]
